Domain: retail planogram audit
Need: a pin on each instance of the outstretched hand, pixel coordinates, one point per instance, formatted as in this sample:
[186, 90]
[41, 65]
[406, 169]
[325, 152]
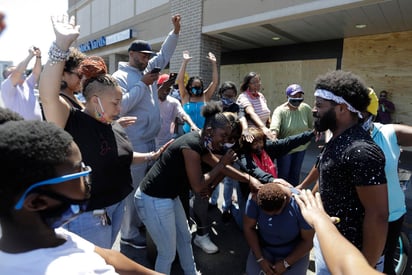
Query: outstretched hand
[126, 121]
[312, 209]
[157, 154]
[65, 30]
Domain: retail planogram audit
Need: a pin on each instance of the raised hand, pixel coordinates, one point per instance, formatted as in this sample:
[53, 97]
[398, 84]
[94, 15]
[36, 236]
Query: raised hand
[65, 30]
[211, 57]
[186, 56]
[176, 23]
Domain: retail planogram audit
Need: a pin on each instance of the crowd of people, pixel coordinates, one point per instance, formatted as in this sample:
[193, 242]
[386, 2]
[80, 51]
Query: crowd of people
[95, 155]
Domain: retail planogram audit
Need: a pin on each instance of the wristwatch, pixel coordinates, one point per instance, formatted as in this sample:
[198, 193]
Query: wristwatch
[286, 264]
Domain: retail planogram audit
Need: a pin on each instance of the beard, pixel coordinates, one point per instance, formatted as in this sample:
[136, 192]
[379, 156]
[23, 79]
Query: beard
[327, 121]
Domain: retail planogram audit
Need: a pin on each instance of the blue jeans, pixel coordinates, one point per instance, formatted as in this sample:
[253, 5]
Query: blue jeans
[131, 220]
[166, 223]
[320, 264]
[237, 210]
[90, 226]
[289, 167]
[215, 195]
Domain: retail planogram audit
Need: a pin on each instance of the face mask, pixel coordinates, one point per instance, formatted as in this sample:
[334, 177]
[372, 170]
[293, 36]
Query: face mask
[100, 116]
[196, 91]
[367, 125]
[208, 143]
[228, 145]
[227, 101]
[295, 102]
[66, 212]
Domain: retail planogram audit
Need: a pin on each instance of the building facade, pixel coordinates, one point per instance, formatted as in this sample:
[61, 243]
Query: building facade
[285, 41]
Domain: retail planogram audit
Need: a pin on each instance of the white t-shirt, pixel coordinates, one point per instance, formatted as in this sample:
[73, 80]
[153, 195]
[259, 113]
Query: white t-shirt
[75, 256]
[21, 98]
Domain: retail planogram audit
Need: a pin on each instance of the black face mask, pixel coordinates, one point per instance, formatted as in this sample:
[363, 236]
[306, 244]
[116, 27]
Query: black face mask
[295, 102]
[196, 91]
[64, 213]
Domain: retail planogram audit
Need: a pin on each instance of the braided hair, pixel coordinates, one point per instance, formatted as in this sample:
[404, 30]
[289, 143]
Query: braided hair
[95, 77]
[214, 117]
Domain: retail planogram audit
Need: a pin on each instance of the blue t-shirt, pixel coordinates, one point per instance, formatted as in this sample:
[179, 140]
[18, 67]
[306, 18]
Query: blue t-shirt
[279, 234]
[194, 110]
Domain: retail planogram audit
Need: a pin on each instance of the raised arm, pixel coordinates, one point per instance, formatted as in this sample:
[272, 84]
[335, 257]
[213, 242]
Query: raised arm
[55, 108]
[215, 78]
[181, 77]
[17, 74]
[37, 65]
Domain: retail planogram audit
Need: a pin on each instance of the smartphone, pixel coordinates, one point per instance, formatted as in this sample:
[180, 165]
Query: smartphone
[155, 70]
[172, 77]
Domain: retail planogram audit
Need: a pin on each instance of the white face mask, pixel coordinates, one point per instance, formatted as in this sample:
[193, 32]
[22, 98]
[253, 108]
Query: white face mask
[228, 145]
[100, 115]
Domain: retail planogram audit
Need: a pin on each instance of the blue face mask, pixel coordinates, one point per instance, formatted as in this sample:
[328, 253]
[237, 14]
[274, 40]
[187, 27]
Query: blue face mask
[208, 143]
[367, 124]
[227, 101]
[196, 91]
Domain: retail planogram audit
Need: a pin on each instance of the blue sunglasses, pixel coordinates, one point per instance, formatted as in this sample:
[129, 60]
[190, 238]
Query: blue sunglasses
[85, 173]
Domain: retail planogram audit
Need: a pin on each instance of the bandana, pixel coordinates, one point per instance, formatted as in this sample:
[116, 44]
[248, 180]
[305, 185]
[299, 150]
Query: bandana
[325, 94]
[265, 163]
[251, 94]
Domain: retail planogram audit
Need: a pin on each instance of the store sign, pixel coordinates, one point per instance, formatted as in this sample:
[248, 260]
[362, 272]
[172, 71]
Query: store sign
[117, 37]
[105, 40]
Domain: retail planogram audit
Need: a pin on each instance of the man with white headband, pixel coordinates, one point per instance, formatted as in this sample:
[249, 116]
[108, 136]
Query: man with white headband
[352, 181]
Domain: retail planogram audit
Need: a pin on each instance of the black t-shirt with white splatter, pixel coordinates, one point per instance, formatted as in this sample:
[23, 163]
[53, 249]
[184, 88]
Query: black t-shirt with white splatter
[350, 160]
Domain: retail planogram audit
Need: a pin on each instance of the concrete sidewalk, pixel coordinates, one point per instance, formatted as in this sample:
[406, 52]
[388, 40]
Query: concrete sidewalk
[231, 259]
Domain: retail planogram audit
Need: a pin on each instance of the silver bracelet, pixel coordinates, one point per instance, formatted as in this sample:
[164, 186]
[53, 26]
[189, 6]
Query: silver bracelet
[56, 54]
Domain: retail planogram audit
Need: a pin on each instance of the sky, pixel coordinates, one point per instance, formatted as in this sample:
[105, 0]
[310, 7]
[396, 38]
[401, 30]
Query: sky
[28, 24]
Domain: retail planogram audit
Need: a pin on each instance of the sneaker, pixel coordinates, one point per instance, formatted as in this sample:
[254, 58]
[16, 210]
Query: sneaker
[204, 243]
[226, 216]
[133, 244]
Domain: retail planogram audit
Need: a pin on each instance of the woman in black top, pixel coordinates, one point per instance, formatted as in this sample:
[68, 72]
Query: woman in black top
[102, 141]
[178, 170]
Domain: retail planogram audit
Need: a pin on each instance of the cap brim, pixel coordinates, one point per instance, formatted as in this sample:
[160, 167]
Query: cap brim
[148, 52]
[296, 92]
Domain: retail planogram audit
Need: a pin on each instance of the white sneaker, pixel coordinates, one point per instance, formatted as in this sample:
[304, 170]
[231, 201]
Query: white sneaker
[205, 244]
